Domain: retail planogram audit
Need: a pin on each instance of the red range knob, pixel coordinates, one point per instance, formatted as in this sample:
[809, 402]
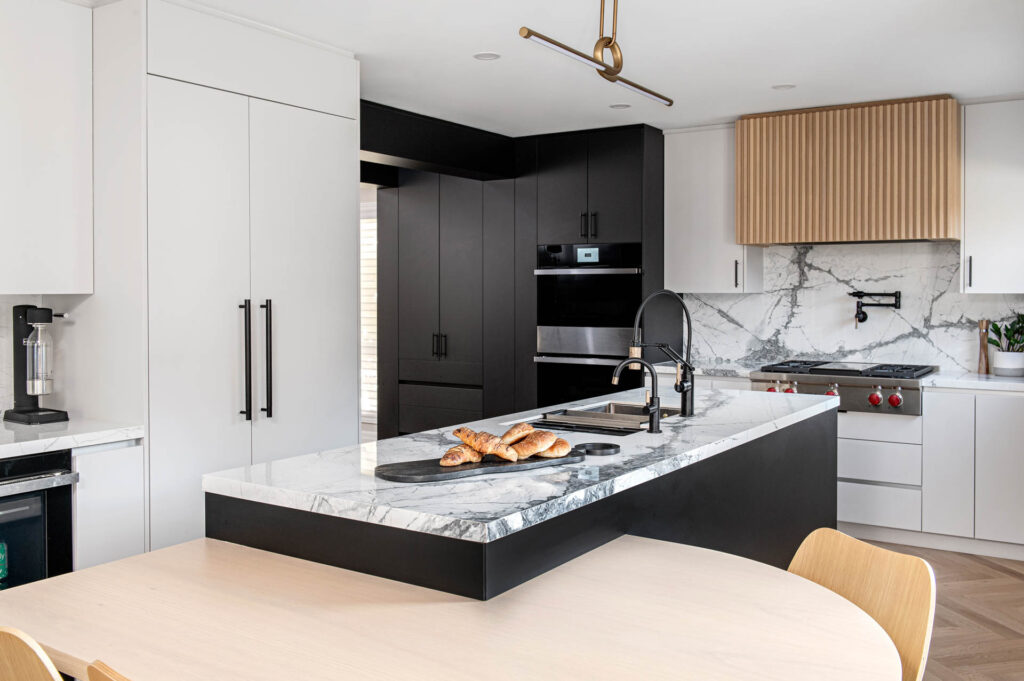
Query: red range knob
[896, 400]
[790, 390]
[875, 399]
[832, 392]
[773, 389]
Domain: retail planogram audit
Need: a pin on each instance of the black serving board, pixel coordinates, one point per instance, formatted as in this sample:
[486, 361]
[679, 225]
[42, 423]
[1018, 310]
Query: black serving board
[431, 470]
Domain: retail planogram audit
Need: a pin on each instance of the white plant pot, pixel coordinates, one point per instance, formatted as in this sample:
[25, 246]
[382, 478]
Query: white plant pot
[1007, 363]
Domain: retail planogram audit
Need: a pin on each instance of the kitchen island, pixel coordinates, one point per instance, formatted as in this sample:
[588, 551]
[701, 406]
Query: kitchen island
[750, 473]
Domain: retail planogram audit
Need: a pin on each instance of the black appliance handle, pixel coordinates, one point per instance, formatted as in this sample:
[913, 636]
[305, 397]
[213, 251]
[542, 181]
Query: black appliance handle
[247, 306]
[583, 225]
[269, 409]
[593, 225]
[970, 271]
[736, 273]
[435, 345]
[444, 345]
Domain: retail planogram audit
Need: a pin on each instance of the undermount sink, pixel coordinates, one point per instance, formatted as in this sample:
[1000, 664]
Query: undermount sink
[626, 409]
[609, 418]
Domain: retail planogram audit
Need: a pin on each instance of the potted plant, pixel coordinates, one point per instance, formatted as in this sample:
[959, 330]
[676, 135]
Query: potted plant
[1008, 339]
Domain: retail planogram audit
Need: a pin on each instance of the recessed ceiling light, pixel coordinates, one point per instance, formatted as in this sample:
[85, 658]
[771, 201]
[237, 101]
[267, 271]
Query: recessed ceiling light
[486, 56]
[619, 106]
[783, 86]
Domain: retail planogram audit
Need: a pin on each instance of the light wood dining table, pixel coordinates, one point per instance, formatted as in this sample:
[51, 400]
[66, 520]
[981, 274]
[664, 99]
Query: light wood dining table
[632, 609]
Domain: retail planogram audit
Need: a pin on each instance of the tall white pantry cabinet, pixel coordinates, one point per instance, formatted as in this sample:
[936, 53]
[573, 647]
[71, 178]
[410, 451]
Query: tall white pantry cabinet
[250, 149]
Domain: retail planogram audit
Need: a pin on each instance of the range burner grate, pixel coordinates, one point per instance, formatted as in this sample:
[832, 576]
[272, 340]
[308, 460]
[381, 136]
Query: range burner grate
[898, 371]
[793, 366]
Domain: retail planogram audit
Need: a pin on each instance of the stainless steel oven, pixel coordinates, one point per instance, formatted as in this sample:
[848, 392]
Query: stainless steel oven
[35, 517]
[587, 295]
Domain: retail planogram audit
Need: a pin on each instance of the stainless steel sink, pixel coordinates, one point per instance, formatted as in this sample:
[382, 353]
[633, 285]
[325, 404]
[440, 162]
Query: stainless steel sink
[612, 418]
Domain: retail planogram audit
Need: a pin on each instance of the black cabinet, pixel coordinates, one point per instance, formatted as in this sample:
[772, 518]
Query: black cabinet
[461, 281]
[440, 279]
[562, 189]
[589, 186]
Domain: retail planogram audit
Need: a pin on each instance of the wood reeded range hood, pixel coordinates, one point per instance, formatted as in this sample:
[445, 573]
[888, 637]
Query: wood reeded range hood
[874, 171]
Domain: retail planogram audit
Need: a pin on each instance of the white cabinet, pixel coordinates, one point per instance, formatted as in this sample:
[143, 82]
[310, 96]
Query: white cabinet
[109, 503]
[701, 253]
[999, 468]
[45, 147]
[947, 489]
[248, 201]
[993, 229]
[886, 506]
[305, 245]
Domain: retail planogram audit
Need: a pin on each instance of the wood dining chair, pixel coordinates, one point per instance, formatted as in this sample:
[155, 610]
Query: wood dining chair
[99, 671]
[23, 659]
[896, 589]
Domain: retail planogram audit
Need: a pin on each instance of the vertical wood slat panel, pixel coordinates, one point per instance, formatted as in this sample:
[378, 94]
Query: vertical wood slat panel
[866, 172]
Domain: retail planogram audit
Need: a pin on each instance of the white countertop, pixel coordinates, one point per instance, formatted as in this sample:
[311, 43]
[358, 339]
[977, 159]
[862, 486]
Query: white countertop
[973, 381]
[485, 508]
[18, 440]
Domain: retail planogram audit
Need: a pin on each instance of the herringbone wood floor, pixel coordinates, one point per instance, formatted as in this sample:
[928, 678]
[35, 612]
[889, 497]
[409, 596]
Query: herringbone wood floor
[979, 617]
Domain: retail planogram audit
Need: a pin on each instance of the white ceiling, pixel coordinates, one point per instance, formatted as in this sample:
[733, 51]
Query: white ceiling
[717, 58]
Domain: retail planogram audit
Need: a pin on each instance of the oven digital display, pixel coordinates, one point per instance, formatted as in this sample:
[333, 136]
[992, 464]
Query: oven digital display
[588, 256]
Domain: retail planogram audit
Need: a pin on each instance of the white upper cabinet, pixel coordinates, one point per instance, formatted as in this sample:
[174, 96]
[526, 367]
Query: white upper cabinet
[701, 253]
[993, 235]
[45, 147]
[205, 47]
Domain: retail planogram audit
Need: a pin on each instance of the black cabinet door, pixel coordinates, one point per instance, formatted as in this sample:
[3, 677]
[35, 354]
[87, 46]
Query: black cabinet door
[461, 277]
[418, 276]
[615, 182]
[562, 189]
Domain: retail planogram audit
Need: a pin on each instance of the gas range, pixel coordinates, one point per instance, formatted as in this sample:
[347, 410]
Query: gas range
[860, 386]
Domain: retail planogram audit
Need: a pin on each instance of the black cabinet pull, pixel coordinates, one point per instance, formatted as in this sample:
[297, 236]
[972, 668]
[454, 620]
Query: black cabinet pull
[583, 225]
[247, 306]
[736, 273]
[970, 270]
[593, 225]
[435, 345]
[444, 345]
[269, 409]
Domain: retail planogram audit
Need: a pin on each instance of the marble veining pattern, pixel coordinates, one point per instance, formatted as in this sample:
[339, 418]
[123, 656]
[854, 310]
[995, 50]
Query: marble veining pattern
[20, 440]
[805, 311]
[486, 508]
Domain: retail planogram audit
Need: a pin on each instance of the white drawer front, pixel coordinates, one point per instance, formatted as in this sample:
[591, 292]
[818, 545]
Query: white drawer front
[897, 507]
[880, 427]
[880, 461]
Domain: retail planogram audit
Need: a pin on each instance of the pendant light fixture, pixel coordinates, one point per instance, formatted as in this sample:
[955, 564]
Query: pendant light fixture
[607, 71]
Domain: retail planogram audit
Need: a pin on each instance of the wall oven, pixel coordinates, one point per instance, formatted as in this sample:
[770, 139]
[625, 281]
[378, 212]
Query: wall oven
[587, 295]
[35, 517]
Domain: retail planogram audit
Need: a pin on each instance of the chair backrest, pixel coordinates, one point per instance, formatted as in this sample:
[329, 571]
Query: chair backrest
[99, 671]
[897, 590]
[23, 659]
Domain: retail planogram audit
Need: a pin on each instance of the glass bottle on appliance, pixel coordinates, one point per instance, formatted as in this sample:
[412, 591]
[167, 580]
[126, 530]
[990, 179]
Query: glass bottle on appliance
[39, 361]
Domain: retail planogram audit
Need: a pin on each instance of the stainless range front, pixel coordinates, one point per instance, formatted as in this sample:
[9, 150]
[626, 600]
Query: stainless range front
[860, 386]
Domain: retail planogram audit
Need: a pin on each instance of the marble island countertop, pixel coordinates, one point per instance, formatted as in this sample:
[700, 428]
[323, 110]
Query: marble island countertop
[485, 508]
[20, 440]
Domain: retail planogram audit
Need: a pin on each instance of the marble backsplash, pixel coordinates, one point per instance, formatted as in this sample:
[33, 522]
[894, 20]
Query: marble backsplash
[805, 311]
[6, 347]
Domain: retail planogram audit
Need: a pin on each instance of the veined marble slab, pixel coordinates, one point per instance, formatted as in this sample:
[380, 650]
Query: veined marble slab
[973, 381]
[19, 440]
[341, 482]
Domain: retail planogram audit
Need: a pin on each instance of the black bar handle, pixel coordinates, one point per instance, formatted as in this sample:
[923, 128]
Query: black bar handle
[970, 271]
[269, 409]
[593, 224]
[736, 273]
[444, 345]
[247, 306]
[583, 225]
[435, 345]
